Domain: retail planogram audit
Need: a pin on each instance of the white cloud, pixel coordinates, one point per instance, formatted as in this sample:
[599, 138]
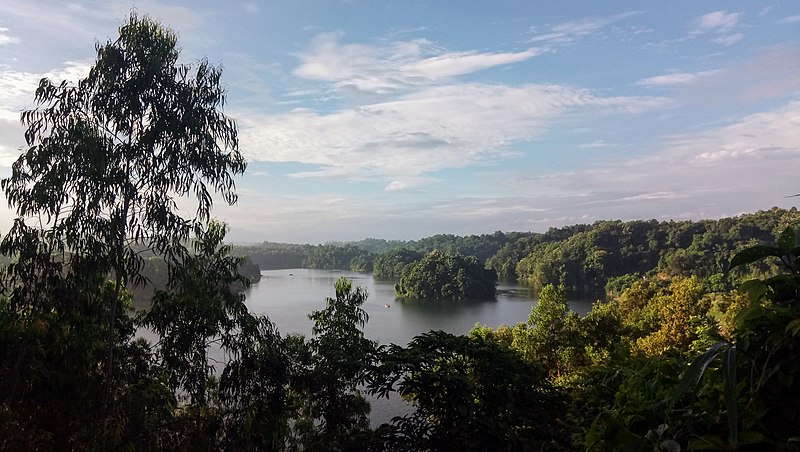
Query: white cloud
[721, 24]
[742, 82]
[594, 144]
[426, 120]
[744, 166]
[748, 81]
[460, 63]
[6, 38]
[729, 40]
[654, 196]
[790, 19]
[17, 88]
[394, 65]
[571, 31]
[250, 7]
[408, 183]
[764, 136]
[17, 94]
[747, 165]
[677, 78]
[439, 127]
[719, 20]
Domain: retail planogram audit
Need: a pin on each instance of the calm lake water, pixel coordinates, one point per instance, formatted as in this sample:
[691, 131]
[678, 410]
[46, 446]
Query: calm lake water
[288, 296]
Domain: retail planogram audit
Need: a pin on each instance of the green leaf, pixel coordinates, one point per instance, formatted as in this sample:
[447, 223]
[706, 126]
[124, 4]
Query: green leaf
[783, 279]
[787, 239]
[755, 253]
[696, 370]
[708, 442]
[591, 435]
[793, 327]
[754, 288]
[752, 437]
[729, 377]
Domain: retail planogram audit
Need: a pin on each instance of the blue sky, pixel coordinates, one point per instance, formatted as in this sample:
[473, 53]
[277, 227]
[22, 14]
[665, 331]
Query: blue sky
[403, 119]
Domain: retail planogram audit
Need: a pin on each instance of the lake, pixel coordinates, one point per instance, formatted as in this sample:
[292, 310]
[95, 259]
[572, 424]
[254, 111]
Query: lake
[288, 296]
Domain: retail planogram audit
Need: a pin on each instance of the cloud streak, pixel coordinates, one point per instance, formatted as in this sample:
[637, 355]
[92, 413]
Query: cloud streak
[435, 128]
[721, 24]
[790, 19]
[677, 78]
[394, 65]
[743, 166]
[575, 30]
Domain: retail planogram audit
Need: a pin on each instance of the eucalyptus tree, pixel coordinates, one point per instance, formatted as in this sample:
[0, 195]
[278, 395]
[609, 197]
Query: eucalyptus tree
[106, 160]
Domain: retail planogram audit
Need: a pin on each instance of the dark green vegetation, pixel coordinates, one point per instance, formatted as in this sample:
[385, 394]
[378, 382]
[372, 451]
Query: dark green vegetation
[330, 257]
[673, 361]
[585, 261]
[271, 256]
[390, 265]
[673, 364]
[588, 260]
[359, 256]
[446, 277]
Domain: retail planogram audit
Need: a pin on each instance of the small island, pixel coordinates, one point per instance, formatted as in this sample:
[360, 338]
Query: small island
[447, 277]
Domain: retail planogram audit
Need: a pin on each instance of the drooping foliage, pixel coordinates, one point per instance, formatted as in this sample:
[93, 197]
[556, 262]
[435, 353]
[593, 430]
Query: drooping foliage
[106, 158]
[104, 162]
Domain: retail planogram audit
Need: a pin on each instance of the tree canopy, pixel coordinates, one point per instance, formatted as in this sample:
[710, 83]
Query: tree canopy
[390, 265]
[107, 157]
[447, 276]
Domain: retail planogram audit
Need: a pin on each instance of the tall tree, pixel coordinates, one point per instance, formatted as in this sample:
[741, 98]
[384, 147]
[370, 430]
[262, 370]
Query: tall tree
[107, 158]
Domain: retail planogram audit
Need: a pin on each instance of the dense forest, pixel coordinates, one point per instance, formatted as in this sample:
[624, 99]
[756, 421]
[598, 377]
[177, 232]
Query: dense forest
[582, 258]
[446, 276]
[360, 256]
[674, 360]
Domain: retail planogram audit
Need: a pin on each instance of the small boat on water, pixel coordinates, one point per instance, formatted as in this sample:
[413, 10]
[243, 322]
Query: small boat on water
[386, 306]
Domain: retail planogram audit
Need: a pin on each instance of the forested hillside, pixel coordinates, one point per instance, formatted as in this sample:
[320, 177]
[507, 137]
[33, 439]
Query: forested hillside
[359, 256]
[582, 258]
[585, 261]
[272, 256]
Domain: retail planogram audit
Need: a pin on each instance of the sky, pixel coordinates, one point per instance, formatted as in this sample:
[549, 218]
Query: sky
[405, 119]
